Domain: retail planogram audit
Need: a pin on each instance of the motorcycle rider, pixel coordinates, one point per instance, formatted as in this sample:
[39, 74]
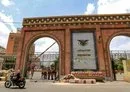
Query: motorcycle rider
[15, 80]
[16, 76]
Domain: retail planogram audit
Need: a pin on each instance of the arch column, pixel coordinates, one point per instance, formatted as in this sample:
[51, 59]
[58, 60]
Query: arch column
[67, 51]
[100, 49]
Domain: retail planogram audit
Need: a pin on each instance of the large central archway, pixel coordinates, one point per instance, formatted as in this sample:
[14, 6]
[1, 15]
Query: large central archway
[42, 59]
[37, 35]
[102, 28]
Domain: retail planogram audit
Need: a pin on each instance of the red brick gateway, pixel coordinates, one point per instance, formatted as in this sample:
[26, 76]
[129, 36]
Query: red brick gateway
[72, 32]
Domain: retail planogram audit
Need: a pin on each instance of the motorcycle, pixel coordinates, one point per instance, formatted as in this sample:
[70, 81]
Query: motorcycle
[13, 82]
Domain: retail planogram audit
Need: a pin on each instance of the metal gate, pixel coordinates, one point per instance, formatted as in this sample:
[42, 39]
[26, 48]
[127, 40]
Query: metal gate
[44, 66]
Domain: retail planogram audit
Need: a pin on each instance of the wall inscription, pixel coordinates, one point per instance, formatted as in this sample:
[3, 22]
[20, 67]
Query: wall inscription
[83, 48]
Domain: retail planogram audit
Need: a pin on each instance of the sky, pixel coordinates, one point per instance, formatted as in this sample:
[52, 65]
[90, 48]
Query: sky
[12, 13]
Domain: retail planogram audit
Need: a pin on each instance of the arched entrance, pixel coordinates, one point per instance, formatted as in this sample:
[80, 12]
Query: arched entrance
[119, 50]
[118, 32]
[68, 30]
[43, 59]
[32, 39]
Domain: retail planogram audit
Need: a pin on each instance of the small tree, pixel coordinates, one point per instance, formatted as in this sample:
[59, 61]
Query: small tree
[118, 65]
[56, 63]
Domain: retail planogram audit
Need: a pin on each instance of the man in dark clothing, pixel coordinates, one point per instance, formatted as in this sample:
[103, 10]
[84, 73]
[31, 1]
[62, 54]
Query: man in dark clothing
[18, 75]
[49, 73]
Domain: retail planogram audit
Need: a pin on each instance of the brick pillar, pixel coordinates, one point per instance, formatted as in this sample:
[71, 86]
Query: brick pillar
[67, 51]
[20, 51]
[100, 49]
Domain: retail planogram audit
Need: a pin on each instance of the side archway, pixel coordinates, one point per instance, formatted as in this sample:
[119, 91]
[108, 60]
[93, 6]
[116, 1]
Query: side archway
[110, 63]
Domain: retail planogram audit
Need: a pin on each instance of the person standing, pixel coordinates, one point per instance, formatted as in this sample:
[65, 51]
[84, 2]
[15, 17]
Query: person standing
[32, 69]
[28, 69]
[49, 73]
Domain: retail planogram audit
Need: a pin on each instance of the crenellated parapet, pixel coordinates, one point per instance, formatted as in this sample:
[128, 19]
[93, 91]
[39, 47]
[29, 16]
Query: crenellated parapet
[77, 20]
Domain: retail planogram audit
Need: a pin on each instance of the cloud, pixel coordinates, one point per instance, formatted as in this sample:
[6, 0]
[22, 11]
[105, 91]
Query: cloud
[120, 43]
[8, 20]
[109, 7]
[113, 6]
[125, 46]
[4, 32]
[43, 43]
[7, 3]
[90, 8]
[6, 26]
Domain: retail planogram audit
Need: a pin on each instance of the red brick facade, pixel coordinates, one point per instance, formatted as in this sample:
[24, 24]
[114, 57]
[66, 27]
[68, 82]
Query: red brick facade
[13, 42]
[60, 28]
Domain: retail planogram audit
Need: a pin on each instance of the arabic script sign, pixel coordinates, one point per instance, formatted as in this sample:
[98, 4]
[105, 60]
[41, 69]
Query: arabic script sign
[83, 48]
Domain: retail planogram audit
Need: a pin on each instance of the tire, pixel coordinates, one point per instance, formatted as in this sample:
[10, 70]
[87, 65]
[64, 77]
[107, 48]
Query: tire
[21, 84]
[8, 84]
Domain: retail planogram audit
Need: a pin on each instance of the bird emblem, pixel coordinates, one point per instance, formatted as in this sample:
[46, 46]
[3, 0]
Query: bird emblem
[83, 42]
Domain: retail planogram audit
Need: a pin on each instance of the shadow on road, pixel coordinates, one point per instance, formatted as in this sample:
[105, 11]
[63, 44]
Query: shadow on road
[16, 88]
